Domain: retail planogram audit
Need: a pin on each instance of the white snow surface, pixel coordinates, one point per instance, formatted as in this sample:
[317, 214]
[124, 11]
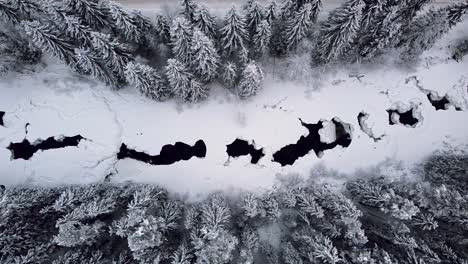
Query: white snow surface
[56, 102]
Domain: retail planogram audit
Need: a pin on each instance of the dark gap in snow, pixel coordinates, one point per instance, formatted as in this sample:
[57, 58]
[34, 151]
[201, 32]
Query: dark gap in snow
[243, 148]
[2, 114]
[405, 118]
[169, 154]
[442, 103]
[362, 117]
[290, 153]
[25, 150]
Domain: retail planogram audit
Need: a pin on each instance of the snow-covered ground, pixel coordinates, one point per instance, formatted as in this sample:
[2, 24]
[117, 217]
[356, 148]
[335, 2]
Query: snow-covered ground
[55, 102]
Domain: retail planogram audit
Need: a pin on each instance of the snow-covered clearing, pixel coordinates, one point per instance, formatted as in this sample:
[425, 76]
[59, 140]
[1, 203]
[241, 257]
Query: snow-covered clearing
[55, 102]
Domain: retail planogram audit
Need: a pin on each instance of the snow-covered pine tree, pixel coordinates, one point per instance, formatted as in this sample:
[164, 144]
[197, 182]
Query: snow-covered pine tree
[124, 23]
[9, 13]
[297, 26]
[339, 31]
[112, 52]
[261, 39]
[147, 81]
[205, 58]
[409, 9]
[234, 33]
[189, 8]
[181, 38]
[49, 40]
[179, 77]
[426, 29]
[15, 52]
[71, 25]
[197, 91]
[162, 28]
[271, 13]
[251, 80]
[92, 12]
[205, 21]
[371, 11]
[254, 15]
[229, 75]
[380, 34]
[90, 63]
[26, 9]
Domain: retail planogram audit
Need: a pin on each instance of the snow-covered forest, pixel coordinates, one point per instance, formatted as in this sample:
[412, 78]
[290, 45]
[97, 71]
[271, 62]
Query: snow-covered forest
[375, 218]
[225, 132]
[179, 56]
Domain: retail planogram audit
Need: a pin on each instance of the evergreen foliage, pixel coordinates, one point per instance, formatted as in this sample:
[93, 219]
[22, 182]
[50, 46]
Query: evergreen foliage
[251, 81]
[296, 28]
[339, 31]
[113, 53]
[125, 23]
[205, 57]
[49, 40]
[205, 21]
[147, 81]
[93, 13]
[426, 29]
[234, 33]
[376, 219]
[89, 62]
[261, 39]
[229, 75]
[181, 38]
[162, 29]
[15, 53]
[107, 37]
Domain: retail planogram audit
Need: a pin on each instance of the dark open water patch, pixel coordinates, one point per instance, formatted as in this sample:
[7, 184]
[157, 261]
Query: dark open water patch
[2, 114]
[169, 154]
[441, 103]
[290, 153]
[243, 148]
[25, 150]
[405, 118]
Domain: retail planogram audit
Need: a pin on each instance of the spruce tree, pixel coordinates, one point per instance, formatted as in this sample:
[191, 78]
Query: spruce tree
[124, 23]
[372, 10]
[179, 77]
[297, 26]
[229, 75]
[379, 34]
[205, 58]
[234, 32]
[93, 13]
[113, 53]
[271, 13]
[205, 22]
[197, 91]
[261, 39]
[339, 31]
[181, 37]
[49, 40]
[15, 52]
[73, 26]
[90, 63]
[147, 81]
[189, 8]
[254, 15]
[428, 28]
[27, 9]
[251, 81]
[9, 13]
[162, 29]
